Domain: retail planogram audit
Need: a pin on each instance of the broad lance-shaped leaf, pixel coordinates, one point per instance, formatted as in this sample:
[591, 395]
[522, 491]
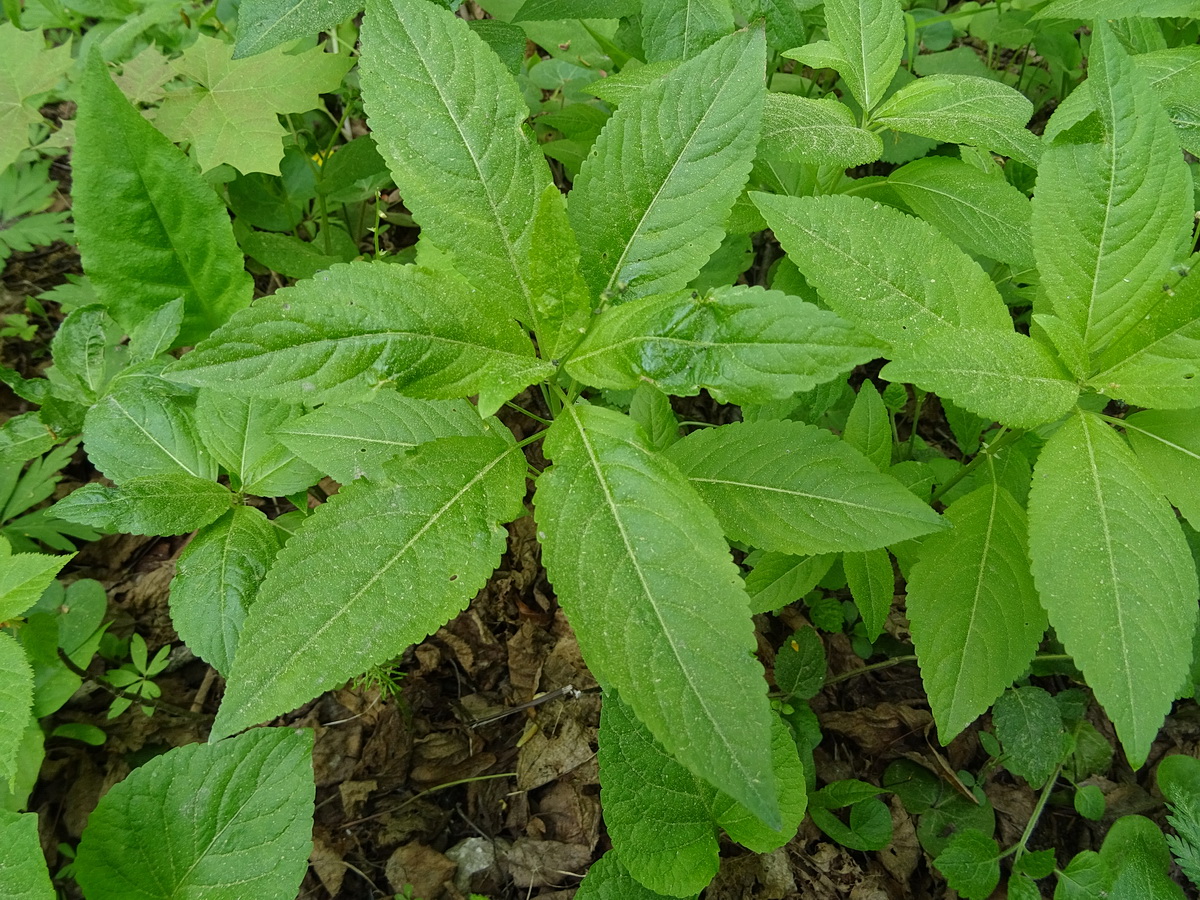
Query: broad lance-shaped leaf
[448, 118]
[869, 36]
[796, 488]
[355, 440]
[561, 297]
[650, 203]
[23, 874]
[662, 819]
[982, 213]
[223, 821]
[872, 584]
[367, 323]
[16, 700]
[263, 24]
[1115, 574]
[1110, 216]
[778, 579]
[894, 276]
[743, 344]
[173, 503]
[679, 29]
[976, 622]
[138, 203]
[1167, 442]
[424, 544]
[964, 109]
[824, 132]
[645, 576]
[218, 575]
[24, 577]
[1004, 376]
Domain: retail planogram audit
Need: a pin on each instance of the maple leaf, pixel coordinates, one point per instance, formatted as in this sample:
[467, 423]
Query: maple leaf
[231, 115]
[143, 77]
[29, 69]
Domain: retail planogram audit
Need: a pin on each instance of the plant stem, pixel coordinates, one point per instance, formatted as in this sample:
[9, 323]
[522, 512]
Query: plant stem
[886, 664]
[125, 695]
[1018, 849]
[521, 409]
[1005, 438]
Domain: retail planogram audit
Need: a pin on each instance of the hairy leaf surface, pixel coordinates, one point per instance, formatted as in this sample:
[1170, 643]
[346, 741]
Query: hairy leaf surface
[872, 584]
[607, 879]
[1109, 217]
[263, 24]
[424, 544]
[869, 36]
[367, 323]
[680, 29]
[448, 118]
[216, 578]
[23, 874]
[743, 344]
[16, 700]
[561, 296]
[149, 228]
[822, 132]
[1115, 574]
[1167, 443]
[894, 276]
[223, 821]
[173, 503]
[355, 440]
[796, 488]
[645, 576]
[650, 202]
[868, 428]
[973, 608]
[964, 109]
[778, 579]
[23, 578]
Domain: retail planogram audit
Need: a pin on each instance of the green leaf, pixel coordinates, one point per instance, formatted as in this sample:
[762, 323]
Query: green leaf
[222, 821]
[973, 609]
[982, 213]
[821, 132]
[872, 585]
[1086, 877]
[1114, 573]
[743, 344]
[971, 864]
[86, 354]
[796, 488]
[1006, 376]
[166, 504]
[367, 323]
[800, 665]
[23, 874]
[870, 825]
[644, 574]
[349, 441]
[23, 578]
[29, 70]
[869, 37]
[1167, 443]
[561, 298]
[217, 577]
[156, 333]
[146, 426]
[16, 700]
[263, 24]
[231, 116]
[1110, 216]
[868, 428]
[1089, 802]
[287, 254]
[1172, 74]
[1030, 727]
[237, 430]
[447, 117]
[680, 29]
[650, 202]
[778, 579]
[542, 10]
[24, 437]
[894, 276]
[150, 229]
[964, 109]
[1113, 9]
[607, 879]
[661, 818]
[1155, 363]
[424, 545]
[1136, 850]
[651, 409]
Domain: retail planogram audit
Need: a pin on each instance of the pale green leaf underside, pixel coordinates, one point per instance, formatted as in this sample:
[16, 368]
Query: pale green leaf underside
[644, 574]
[743, 344]
[796, 488]
[23, 578]
[263, 24]
[999, 375]
[216, 579]
[974, 612]
[1172, 73]
[869, 36]
[349, 441]
[981, 213]
[23, 874]
[222, 821]
[1114, 573]
[894, 276]
[822, 132]
[679, 29]
[448, 118]
[368, 323]
[1167, 443]
[1110, 217]
[964, 109]
[16, 700]
[650, 202]
[662, 819]
[150, 504]
[423, 547]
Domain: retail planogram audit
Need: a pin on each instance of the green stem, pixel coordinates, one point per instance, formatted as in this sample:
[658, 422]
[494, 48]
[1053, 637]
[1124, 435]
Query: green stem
[918, 402]
[125, 695]
[886, 664]
[1018, 849]
[521, 409]
[1005, 438]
